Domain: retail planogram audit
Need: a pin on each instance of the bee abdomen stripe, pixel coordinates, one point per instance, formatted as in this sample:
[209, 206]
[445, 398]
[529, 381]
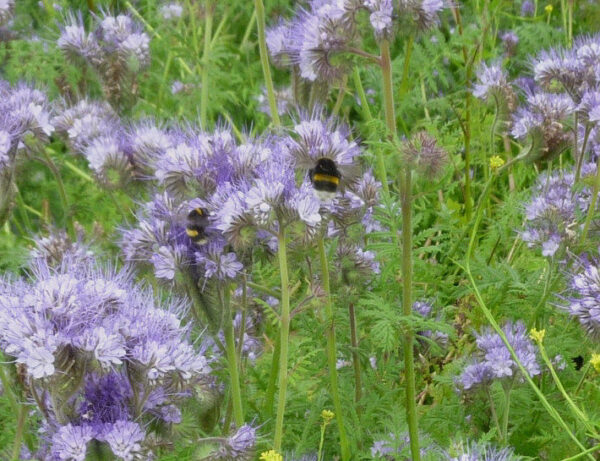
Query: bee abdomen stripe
[326, 178]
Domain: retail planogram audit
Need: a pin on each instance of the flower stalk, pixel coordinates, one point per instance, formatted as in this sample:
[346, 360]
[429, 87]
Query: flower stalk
[232, 359]
[284, 336]
[331, 350]
[208, 22]
[409, 365]
[259, 8]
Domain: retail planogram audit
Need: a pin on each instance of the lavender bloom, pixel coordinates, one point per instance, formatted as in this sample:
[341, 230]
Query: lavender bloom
[314, 37]
[423, 14]
[493, 85]
[77, 321]
[510, 41]
[478, 451]
[589, 106]
[552, 213]
[584, 296]
[392, 446]
[70, 442]
[171, 11]
[124, 439]
[495, 361]
[117, 49]
[6, 11]
[57, 246]
[543, 121]
[527, 8]
[239, 446]
[381, 17]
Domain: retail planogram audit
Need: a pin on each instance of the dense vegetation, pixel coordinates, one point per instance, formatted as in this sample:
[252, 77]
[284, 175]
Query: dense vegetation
[332, 229]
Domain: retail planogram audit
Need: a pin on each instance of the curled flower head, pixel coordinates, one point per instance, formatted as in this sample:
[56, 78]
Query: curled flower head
[423, 153]
[493, 85]
[543, 120]
[422, 14]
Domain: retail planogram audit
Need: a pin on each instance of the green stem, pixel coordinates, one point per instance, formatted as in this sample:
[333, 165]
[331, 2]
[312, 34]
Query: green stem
[390, 115]
[364, 102]
[331, 351]
[409, 364]
[208, 22]
[583, 453]
[592, 209]
[570, 6]
[321, 441]
[586, 136]
[61, 191]
[284, 332]
[264, 60]
[22, 416]
[355, 358]
[270, 395]
[340, 98]
[494, 414]
[579, 414]
[405, 68]
[492, 321]
[232, 359]
[264, 289]
[507, 392]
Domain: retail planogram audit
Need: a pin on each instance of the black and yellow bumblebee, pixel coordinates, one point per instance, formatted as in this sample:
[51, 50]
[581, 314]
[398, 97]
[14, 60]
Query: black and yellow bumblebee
[578, 361]
[325, 178]
[196, 225]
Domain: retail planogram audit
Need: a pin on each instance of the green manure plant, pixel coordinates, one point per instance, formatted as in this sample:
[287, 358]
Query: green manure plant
[314, 230]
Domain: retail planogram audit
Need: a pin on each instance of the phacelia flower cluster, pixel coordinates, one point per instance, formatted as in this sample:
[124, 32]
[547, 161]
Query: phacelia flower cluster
[493, 85]
[7, 8]
[583, 300]
[117, 49]
[494, 360]
[318, 38]
[480, 451]
[100, 356]
[116, 153]
[24, 128]
[553, 215]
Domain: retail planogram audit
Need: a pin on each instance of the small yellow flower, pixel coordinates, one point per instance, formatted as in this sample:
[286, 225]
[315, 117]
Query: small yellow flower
[537, 335]
[496, 162]
[327, 416]
[548, 9]
[270, 455]
[595, 361]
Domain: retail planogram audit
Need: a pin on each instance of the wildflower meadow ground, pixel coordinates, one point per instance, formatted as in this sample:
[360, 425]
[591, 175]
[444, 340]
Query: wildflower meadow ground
[306, 230]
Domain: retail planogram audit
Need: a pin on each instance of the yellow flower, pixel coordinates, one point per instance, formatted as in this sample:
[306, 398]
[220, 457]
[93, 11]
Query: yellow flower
[496, 162]
[548, 9]
[327, 416]
[270, 455]
[537, 335]
[595, 361]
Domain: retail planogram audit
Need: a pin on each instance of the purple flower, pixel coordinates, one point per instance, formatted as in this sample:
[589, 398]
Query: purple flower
[171, 11]
[584, 296]
[423, 14]
[75, 42]
[492, 82]
[494, 360]
[124, 439]
[527, 8]
[381, 17]
[482, 451]
[552, 214]
[69, 443]
[239, 446]
[510, 41]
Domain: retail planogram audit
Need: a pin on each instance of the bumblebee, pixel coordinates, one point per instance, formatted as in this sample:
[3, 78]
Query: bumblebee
[325, 178]
[196, 225]
[578, 361]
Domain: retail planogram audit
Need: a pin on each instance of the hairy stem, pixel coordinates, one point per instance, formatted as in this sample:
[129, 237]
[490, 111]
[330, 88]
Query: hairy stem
[284, 335]
[232, 359]
[409, 365]
[208, 22]
[577, 412]
[390, 115]
[61, 191]
[494, 414]
[355, 358]
[259, 7]
[16, 451]
[272, 385]
[331, 351]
